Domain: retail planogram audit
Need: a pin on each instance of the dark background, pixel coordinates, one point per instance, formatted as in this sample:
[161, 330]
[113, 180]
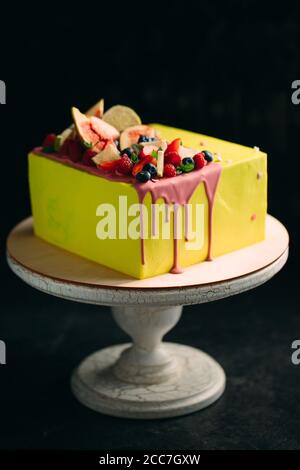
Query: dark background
[220, 68]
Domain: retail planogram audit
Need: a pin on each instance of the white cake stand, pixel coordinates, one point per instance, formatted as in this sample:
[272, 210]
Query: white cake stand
[146, 378]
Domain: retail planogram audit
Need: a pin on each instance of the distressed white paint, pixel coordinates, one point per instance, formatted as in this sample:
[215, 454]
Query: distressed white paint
[148, 378]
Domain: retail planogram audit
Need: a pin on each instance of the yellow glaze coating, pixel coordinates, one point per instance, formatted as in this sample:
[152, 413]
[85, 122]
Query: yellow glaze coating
[64, 202]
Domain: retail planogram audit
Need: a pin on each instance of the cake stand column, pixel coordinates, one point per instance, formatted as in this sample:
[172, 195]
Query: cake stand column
[148, 378]
[147, 361]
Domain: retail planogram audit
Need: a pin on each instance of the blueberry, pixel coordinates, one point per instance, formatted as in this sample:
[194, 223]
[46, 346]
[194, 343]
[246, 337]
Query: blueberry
[127, 151]
[187, 165]
[187, 161]
[117, 144]
[144, 138]
[143, 176]
[151, 168]
[208, 155]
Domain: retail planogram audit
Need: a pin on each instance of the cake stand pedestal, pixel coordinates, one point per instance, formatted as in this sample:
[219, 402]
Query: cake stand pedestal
[147, 378]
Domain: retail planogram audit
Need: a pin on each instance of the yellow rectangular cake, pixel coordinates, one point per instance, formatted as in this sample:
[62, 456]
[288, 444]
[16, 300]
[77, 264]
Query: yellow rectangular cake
[144, 229]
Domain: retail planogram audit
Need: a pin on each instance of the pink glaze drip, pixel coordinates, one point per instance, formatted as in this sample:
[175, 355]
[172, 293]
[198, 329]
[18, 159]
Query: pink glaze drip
[176, 190]
[186, 223]
[176, 269]
[179, 191]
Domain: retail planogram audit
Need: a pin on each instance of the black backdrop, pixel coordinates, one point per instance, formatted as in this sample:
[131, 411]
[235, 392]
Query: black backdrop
[220, 68]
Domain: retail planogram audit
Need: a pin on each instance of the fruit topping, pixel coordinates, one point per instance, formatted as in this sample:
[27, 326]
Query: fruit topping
[64, 149]
[151, 169]
[161, 158]
[169, 170]
[199, 160]
[74, 150]
[124, 165]
[148, 150]
[60, 139]
[87, 158]
[92, 130]
[49, 143]
[143, 176]
[97, 109]
[139, 166]
[121, 117]
[108, 154]
[187, 165]
[49, 140]
[132, 134]
[109, 166]
[145, 138]
[208, 155]
[95, 140]
[174, 158]
[86, 134]
[103, 129]
[128, 151]
[173, 146]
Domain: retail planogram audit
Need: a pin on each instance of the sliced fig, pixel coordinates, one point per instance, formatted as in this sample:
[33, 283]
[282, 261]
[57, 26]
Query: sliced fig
[103, 129]
[121, 117]
[87, 134]
[131, 135]
[97, 109]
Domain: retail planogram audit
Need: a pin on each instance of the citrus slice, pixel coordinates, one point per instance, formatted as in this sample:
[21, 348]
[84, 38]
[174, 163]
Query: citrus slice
[121, 117]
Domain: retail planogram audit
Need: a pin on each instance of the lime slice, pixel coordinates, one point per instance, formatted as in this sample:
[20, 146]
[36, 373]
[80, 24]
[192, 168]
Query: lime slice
[121, 117]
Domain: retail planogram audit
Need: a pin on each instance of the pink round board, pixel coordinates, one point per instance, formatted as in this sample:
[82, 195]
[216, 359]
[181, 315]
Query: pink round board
[49, 261]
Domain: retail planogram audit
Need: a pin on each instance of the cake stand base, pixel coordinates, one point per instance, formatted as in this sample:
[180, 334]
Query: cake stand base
[146, 378]
[199, 382]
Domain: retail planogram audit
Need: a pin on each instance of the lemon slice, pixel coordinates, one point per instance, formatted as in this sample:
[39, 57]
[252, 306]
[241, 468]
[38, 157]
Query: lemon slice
[121, 117]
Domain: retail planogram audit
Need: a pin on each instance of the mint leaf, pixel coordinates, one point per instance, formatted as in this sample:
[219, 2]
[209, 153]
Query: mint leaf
[134, 158]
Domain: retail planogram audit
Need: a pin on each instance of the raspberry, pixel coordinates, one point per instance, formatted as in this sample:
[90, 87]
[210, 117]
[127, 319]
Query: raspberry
[169, 170]
[199, 160]
[49, 140]
[75, 150]
[64, 149]
[173, 157]
[124, 165]
[87, 157]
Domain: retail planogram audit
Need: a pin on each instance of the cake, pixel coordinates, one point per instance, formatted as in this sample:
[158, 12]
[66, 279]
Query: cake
[145, 199]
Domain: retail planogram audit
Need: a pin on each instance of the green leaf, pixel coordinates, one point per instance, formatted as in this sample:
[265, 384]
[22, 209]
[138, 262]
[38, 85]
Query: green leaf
[134, 157]
[154, 153]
